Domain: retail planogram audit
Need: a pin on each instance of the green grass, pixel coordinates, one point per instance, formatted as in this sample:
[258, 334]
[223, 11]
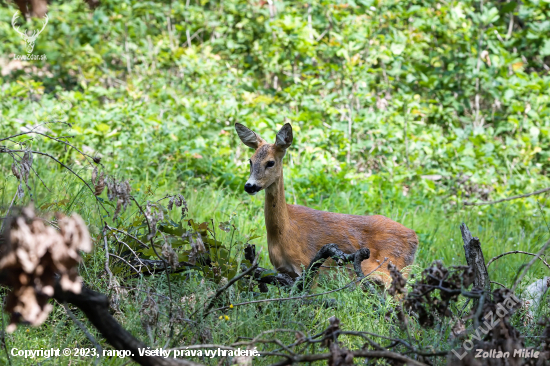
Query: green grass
[166, 124]
[500, 228]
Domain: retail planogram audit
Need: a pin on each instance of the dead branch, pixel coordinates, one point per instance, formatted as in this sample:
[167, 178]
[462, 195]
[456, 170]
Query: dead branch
[138, 259]
[507, 199]
[141, 243]
[304, 281]
[30, 254]
[281, 279]
[96, 308]
[516, 252]
[396, 341]
[475, 259]
[360, 353]
[202, 346]
[107, 268]
[332, 251]
[520, 277]
[327, 251]
[88, 158]
[156, 266]
[124, 261]
[165, 262]
[38, 263]
[303, 297]
[3, 149]
[83, 329]
[328, 338]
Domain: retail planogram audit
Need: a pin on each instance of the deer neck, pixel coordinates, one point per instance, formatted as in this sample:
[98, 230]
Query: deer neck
[275, 210]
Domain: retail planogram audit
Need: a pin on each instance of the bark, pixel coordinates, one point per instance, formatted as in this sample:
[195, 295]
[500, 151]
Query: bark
[332, 251]
[475, 259]
[96, 308]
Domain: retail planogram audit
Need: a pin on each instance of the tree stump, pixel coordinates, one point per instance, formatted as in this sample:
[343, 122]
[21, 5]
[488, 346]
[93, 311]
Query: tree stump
[475, 259]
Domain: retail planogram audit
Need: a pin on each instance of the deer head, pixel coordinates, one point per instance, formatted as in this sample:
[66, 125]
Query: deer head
[266, 165]
[28, 38]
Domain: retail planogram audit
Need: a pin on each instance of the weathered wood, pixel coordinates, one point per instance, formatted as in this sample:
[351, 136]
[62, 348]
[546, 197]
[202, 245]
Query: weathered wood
[341, 258]
[280, 279]
[475, 259]
[96, 308]
[262, 275]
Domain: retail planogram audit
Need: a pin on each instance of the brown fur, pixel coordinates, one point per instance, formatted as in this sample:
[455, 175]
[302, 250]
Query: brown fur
[296, 233]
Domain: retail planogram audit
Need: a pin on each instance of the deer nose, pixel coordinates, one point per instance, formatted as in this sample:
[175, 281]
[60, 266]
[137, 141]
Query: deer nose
[251, 188]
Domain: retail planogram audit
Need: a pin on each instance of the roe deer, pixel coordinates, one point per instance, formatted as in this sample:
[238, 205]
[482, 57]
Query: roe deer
[296, 233]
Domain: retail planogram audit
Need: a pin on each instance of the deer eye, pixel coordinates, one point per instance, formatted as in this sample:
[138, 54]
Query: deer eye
[270, 164]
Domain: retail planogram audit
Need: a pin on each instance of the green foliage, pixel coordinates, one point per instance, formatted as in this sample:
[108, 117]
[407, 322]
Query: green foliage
[379, 93]
[399, 108]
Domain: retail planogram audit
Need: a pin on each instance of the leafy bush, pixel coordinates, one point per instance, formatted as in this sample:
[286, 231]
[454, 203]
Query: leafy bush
[381, 94]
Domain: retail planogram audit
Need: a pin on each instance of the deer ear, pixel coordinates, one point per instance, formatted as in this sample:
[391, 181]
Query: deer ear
[249, 137]
[284, 137]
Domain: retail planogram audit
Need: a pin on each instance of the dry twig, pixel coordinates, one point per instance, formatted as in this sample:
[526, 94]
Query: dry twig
[517, 252]
[537, 256]
[507, 199]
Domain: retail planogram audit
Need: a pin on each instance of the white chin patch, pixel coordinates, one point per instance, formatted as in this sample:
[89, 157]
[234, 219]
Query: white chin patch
[253, 194]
